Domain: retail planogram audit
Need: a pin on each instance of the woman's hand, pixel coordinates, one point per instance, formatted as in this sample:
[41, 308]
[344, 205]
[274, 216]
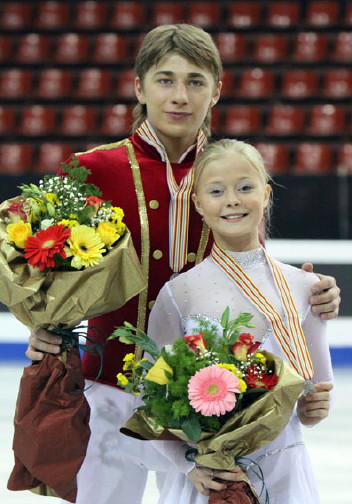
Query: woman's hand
[314, 407]
[326, 295]
[40, 342]
[204, 478]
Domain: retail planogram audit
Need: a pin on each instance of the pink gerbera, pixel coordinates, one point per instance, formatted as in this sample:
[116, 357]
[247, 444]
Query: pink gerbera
[212, 390]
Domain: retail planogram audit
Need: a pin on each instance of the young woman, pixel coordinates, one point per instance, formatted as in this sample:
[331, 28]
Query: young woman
[232, 194]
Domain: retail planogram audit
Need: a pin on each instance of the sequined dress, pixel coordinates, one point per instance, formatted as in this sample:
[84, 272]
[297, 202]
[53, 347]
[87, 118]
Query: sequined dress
[205, 290]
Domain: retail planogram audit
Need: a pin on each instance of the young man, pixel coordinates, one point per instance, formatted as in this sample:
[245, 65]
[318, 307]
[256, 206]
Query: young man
[178, 73]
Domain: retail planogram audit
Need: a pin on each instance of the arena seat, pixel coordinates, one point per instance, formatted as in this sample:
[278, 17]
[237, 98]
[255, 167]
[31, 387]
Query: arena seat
[256, 83]
[324, 13]
[16, 83]
[16, 158]
[242, 120]
[7, 120]
[337, 83]
[270, 48]
[285, 120]
[33, 48]
[16, 15]
[51, 15]
[37, 120]
[50, 155]
[342, 48]
[276, 157]
[125, 84]
[128, 15]
[110, 48]
[283, 14]
[326, 119]
[71, 48]
[244, 14]
[313, 159]
[54, 83]
[6, 48]
[78, 120]
[94, 83]
[310, 47]
[167, 13]
[344, 158]
[90, 14]
[232, 46]
[228, 84]
[117, 120]
[204, 14]
[300, 84]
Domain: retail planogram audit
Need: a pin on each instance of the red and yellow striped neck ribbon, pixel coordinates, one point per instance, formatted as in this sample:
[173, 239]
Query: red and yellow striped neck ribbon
[179, 198]
[290, 337]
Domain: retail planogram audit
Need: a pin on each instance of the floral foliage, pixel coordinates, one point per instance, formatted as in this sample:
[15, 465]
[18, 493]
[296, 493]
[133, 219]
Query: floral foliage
[199, 381]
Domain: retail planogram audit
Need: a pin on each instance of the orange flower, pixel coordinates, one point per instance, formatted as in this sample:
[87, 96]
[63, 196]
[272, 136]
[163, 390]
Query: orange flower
[196, 342]
[244, 346]
[41, 248]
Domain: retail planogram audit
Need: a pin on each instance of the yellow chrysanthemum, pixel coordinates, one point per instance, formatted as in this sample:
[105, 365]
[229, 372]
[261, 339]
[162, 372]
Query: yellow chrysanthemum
[128, 357]
[18, 232]
[108, 233]
[69, 223]
[52, 198]
[85, 246]
[122, 379]
[260, 357]
[242, 386]
[116, 218]
[232, 368]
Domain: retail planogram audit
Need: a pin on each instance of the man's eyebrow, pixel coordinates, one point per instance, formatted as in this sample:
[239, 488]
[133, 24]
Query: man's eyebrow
[170, 74]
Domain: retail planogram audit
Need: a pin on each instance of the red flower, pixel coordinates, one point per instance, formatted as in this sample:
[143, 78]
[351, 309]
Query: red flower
[94, 202]
[255, 378]
[244, 346]
[196, 342]
[41, 248]
[16, 211]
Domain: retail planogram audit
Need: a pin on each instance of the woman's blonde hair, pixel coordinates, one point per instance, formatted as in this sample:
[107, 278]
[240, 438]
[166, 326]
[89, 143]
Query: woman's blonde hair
[189, 41]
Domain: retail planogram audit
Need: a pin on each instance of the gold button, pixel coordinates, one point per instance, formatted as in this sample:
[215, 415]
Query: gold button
[154, 204]
[157, 254]
[191, 257]
[151, 304]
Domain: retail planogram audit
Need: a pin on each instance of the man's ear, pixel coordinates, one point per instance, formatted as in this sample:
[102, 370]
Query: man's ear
[216, 95]
[139, 91]
[197, 204]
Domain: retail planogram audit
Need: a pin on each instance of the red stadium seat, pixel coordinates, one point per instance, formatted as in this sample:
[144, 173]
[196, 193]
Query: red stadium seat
[313, 159]
[244, 14]
[7, 120]
[16, 158]
[228, 84]
[33, 48]
[204, 14]
[52, 15]
[347, 20]
[6, 46]
[270, 48]
[242, 120]
[215, 119]
[90, 14]
[16, 83]
[167, 13]
[37, 120]
[283, 14]
[117, 120]
[324, 13]
[342, 50]
[285, 120]
[110, 48]
[275, 156]
[125, 84]
[338, 83]
[54, 83]
[300, 84]
[256, 83]
[78, 120]
[51, 155]
[94, 83]
[71, 48]
[128, 15]
[16, 15]
[327, 120]
[232, 46]
[310, 47]
[344, 158]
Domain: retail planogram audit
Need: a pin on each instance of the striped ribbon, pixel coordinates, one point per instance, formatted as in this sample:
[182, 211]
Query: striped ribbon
[291, 338]
[179, 199]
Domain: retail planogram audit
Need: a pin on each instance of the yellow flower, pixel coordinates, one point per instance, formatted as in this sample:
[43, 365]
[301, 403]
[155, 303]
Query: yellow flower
[122, 379]
[116, 217]
[156, 374]
[85, 246]
[242, 385]
[128, 357]
[108, 233]
[52, 198]
[232, 368]
[260, 357]
[18, 232]
[69, 223]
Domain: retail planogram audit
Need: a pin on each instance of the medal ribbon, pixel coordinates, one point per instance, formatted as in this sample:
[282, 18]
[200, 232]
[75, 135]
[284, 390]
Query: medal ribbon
[291, 338]
[179, 199]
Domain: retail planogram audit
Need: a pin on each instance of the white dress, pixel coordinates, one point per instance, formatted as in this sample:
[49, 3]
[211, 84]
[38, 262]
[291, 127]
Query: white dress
[205, 290]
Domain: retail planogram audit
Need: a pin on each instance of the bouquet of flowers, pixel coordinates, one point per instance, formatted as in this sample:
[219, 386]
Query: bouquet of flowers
[65, 256]
[217, 391]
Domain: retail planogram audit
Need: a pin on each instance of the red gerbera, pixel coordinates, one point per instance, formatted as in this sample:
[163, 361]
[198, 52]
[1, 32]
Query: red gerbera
[41, 248]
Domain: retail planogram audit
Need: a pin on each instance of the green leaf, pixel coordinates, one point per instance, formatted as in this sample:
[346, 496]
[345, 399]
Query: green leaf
[225, 317]
[191, 427]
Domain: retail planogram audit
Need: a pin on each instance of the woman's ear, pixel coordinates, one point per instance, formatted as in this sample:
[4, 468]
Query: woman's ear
[197, 204]
[267, 195]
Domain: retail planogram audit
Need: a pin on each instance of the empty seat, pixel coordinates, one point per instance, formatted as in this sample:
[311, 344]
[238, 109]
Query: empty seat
[344, 158]
[256, 83]
[110, 48]
[232, 46]
[244, 14]
[50, 156]
[167, 13]
[283, 14]
[6, 46]
[33, 48]
[16, 158]
[7, 120]
[276, 157]
[71, 48]
[310, 47]
[94, 83]
[78, 120]
[324, 13]
[285, 120]
[16, 15]
[242, 120]
[90, 14]
[347, 19]
[327, 120]
[300, 84]
[16, 83]
[54, 83]
[313, 159]
[117, 120]
[337, 83]
[125, 84]
[342, 48]
[216, 117]
[52, 15]
[128, 15]
[204, 14]
[228, 84]
[270, 48]
[37, 120]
